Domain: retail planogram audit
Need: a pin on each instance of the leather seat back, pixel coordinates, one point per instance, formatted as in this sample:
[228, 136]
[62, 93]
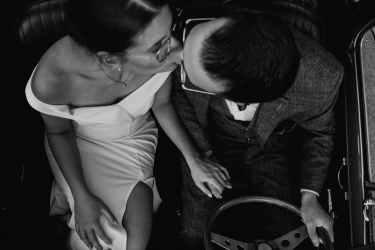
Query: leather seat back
[41, 24]
[296, 15]
[300, 17]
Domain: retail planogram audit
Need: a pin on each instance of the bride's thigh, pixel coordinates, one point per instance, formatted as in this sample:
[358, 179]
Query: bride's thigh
[137, 219]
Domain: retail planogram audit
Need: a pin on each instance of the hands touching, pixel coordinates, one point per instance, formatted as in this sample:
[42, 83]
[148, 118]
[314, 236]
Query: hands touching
[209, 175]
[314, 216]
[88, 208]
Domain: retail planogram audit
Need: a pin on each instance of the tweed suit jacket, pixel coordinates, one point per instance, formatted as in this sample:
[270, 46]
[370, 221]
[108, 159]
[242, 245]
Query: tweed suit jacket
[309, 102]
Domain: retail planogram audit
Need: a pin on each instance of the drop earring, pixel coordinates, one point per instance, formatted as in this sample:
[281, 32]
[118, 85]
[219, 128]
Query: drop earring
[113, 67]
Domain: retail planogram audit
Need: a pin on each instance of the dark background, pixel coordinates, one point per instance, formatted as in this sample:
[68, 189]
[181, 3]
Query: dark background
[25, 176]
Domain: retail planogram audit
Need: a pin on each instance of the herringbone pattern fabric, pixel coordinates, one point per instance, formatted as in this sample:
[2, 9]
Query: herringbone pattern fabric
[253, 151]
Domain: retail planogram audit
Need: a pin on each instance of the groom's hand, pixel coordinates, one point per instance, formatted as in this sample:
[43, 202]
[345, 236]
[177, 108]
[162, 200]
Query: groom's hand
[207, 173]
[213, 189]
[314, 216]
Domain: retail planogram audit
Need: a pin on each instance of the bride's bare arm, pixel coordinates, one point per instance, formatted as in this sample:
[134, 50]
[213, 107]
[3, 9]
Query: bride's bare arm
[202, 169]
[64, 148]
[87, 207]
[53, 85]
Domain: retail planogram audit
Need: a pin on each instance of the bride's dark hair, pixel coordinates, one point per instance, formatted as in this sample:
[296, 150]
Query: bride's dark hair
[109, 25]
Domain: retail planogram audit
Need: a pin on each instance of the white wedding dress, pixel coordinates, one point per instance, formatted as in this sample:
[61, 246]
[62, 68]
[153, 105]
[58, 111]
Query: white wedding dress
[117, 144]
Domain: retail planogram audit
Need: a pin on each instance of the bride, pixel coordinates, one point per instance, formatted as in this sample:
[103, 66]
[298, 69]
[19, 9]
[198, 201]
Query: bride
[94, 89]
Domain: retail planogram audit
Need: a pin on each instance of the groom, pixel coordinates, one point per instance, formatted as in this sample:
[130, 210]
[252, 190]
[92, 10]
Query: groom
[247, 82]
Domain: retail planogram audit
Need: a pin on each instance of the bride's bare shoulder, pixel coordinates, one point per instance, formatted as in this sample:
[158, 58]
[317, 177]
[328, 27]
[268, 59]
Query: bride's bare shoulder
[52, 79]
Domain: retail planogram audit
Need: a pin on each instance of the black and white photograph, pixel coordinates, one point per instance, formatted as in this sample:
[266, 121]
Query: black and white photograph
[188, 125]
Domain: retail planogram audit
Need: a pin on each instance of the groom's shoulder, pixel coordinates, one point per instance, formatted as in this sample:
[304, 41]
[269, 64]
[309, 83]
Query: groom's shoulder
[320, 73]
[316, 61]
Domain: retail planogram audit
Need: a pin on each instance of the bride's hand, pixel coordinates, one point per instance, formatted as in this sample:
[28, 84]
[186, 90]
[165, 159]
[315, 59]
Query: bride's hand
[88, 208]
[205, 171]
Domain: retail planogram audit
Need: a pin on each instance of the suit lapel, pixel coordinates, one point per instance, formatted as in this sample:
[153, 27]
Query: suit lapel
[200, 102]
[269, 115]
[266, 119]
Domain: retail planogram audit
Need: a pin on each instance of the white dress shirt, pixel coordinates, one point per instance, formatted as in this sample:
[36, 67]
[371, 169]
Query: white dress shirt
[245, 115]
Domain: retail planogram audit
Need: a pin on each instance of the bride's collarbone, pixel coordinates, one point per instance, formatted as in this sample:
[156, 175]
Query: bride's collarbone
[101, 92]
[108, 86]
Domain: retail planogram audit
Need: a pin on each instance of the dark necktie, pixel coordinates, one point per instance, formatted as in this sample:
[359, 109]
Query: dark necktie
[241, 107]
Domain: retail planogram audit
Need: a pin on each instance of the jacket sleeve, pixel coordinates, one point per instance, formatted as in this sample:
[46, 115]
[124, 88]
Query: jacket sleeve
[187, 113]
[318, 130]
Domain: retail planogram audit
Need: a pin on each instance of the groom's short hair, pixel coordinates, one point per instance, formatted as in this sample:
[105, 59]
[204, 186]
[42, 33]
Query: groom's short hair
[253, 55]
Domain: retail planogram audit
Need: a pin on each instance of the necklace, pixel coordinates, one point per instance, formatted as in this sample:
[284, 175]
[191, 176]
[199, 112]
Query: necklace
[123, 83]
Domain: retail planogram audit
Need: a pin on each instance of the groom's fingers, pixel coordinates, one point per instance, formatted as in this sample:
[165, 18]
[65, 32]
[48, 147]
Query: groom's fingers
[227, 179]
[214, 191]
[223, 169]
[220, 178]
[204, 189]
[311, 230]
[218, 185]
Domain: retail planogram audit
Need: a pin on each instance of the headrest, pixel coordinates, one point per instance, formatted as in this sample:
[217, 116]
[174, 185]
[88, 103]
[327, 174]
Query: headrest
[296, 15]
[41, 24]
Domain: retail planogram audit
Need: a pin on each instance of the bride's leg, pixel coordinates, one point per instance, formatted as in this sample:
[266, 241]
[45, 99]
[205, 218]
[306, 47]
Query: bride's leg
[137, 219]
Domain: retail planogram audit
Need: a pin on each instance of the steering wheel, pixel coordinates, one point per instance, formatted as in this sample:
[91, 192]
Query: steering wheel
[286, 242]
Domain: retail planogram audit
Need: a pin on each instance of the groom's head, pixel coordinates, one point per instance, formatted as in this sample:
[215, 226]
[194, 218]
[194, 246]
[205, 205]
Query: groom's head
[246, 57]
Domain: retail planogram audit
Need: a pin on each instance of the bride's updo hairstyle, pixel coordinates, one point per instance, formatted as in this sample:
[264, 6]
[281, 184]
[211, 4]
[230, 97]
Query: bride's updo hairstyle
[109, 25]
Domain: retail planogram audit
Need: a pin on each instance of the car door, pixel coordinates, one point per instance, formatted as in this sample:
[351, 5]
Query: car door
[356, 49]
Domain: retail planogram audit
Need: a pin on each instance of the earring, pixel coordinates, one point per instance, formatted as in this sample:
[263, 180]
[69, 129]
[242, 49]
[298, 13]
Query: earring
[113, 67]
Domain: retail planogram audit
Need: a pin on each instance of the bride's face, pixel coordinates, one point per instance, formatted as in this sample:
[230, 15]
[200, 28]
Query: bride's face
[142, 58]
